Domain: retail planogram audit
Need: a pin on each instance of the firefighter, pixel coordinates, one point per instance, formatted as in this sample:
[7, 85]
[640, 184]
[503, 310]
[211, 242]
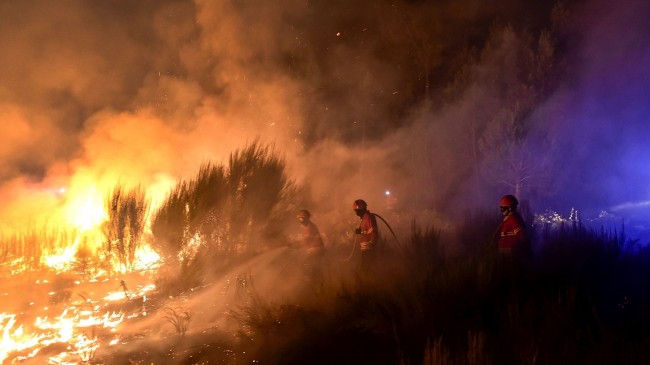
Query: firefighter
[512, 235]
[367, 231]
[513, 264]
[312, 244]
[312, 241]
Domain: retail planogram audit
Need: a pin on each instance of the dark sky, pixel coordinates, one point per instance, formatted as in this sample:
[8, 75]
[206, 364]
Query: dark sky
[359, 97]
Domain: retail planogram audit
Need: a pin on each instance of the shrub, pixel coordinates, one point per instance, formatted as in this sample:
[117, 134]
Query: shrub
[179, 318]
[190, 214]
[124, 227]
[223, 213]
[579, 300]
[259, 190]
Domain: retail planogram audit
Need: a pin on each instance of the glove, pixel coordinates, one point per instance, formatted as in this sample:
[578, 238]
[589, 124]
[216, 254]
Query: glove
[358, 230]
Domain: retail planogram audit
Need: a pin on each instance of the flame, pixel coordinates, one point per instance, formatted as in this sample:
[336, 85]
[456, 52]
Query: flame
[14, 340]
[82, 329]
[146, 258]
[191, 249]
[85, 210]
[78, 212]
[62, 259]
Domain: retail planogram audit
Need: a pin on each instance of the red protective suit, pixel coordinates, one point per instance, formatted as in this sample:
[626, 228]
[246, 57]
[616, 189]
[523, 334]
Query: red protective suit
[369, 232]
[512, 233]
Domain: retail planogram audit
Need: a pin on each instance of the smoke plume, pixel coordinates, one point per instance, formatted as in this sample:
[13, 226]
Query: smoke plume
[358, 98]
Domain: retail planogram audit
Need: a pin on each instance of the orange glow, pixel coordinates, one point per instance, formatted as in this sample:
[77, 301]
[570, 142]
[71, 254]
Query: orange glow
[83, 327]
[14, 340]
[146, 258]
[61, 259]
[85, 210]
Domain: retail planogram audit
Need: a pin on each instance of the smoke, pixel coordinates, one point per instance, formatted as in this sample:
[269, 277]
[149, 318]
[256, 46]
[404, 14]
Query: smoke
[356, 98]
[360, 99]
[607, 105]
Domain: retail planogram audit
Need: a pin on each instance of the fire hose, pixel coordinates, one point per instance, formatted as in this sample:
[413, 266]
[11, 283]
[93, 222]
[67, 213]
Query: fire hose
[389, 228]
[354, 244]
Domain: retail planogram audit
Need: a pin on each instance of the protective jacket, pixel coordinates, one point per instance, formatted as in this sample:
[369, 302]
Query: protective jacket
[512, 233]
[369, 232]
[311, 239]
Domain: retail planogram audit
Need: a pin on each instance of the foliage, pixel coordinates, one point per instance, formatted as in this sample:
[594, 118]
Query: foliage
[580, 299]
[509, 153]
[84, 260]
[191, 212]
[258, 188]
[224, 212]
[124, 227]
[28, 249]
[179, 318]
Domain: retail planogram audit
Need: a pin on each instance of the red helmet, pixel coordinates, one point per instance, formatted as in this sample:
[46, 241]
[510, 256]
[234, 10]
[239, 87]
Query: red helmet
[359, 204]
[304, 213]
[508, 201]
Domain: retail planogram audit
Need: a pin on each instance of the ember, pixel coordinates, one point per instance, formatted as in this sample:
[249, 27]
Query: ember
[71, 331]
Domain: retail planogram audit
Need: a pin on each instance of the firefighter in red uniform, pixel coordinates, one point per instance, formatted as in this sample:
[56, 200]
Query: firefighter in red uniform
[368, 232]
[312, 243]
[512, 235]
[513, 265]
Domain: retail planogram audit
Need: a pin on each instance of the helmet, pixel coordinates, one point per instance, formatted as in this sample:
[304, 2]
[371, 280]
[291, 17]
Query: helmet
[359, 204]
[304, 213]
[508, 201]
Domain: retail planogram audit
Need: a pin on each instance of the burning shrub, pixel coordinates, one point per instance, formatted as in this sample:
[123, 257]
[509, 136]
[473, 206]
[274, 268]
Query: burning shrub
[125, 225]
[221, 212]
[258, 188]
[189, 214]
[84, 260]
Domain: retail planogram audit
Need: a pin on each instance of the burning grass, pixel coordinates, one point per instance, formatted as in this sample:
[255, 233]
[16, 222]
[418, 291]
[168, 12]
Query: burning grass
[206, 226]
[579, 299]
[230, 289]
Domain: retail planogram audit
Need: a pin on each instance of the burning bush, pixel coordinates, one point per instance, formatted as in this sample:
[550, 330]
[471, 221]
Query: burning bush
[124, 227]
[259, 191]
[189, 214]
[223, 213]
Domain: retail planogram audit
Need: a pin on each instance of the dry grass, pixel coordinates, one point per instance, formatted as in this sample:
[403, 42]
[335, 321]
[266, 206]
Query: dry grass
[569, 303]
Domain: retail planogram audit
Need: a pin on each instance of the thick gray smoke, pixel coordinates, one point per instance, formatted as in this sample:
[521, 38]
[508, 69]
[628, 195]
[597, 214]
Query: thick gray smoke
[359, 98]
